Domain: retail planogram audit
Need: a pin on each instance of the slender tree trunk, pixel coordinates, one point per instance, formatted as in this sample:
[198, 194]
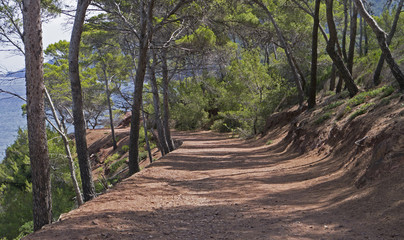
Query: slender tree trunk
[344, 31]
[360, 36]
[166, 125]
[288, 52]
[365, 35]
[351, 50]
[333, 77]
[338, 89]
[275, 52]
[313, 82]
[146, 137]
[299, 71]
[62, 132]
[339, 63]
[382, 40]
[78, 115]
[145, 37]
[267, 54]
[111, 117]
[38, 145]
[156, 102]
[378, 71]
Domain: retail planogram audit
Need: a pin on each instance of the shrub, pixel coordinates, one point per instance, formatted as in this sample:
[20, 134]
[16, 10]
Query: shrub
[333, 105]
[227, 124]
[125, 149]
[189, 116]
[344, 94]
[387, 91]
[112, 158]
[362, 110]
[142, 155]
[329, 93]
[323, 118]
[116, 165]
[99, 187]
[357, 100]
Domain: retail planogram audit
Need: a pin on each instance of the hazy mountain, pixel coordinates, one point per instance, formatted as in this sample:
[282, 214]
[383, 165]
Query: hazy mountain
[17, 74]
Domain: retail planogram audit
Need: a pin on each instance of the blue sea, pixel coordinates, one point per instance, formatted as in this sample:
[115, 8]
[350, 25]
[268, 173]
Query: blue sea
[10, 112]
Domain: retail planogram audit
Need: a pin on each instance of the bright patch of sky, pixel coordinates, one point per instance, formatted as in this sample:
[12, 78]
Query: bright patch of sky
[53, 31]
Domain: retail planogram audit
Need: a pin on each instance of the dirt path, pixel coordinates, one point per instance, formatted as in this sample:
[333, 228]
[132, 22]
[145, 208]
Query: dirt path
[215, 187]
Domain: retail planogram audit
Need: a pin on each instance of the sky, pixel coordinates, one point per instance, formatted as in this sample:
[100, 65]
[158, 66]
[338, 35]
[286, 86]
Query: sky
[53, 31]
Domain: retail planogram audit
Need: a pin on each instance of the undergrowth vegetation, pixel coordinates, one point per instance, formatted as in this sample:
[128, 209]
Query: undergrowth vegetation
[16, 187]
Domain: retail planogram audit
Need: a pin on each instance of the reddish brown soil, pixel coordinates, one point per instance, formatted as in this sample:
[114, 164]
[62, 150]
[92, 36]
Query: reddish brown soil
[216, 187]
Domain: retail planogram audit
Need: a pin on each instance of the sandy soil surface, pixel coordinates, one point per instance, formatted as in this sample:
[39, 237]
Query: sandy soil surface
[216, 187]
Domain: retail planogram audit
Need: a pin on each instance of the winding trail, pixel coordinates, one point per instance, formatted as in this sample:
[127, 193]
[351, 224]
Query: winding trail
[216, 187]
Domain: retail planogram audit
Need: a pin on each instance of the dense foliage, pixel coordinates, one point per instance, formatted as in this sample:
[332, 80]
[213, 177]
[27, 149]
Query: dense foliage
[16, 189]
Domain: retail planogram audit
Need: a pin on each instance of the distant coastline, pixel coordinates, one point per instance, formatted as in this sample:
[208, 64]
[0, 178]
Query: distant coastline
[11, 118]
[16, 74]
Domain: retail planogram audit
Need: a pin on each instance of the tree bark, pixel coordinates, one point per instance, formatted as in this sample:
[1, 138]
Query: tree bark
[314, 54]
[382, 40]
[288, 52]
[299, 71]
[360, 36]
[333, 77]
[344, 31]
[336, 58]
[166, 125]
[146, 137]
[366, 37]
[77, 98]
[156, 102]
[38, 146]
[378, 71]
[145, 37]
[351, 50]
[338, 89]
[111, 117]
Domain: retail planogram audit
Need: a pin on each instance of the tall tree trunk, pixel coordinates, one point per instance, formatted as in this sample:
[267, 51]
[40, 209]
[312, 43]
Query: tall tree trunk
[360, 36]
[333, 77]
[166, 119]
[313, 82]
[288, 52]
[382, 40]
[344, 31]
[156, 103]
[275, 52]
[336, 58]
[145, 37]
[365, 35]
[351, 50]
[111, 117]
[38, 145]
[146, 137]
[299, 71]
[78, 115]
[338, 89]
[62, 132]
[378, 71]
